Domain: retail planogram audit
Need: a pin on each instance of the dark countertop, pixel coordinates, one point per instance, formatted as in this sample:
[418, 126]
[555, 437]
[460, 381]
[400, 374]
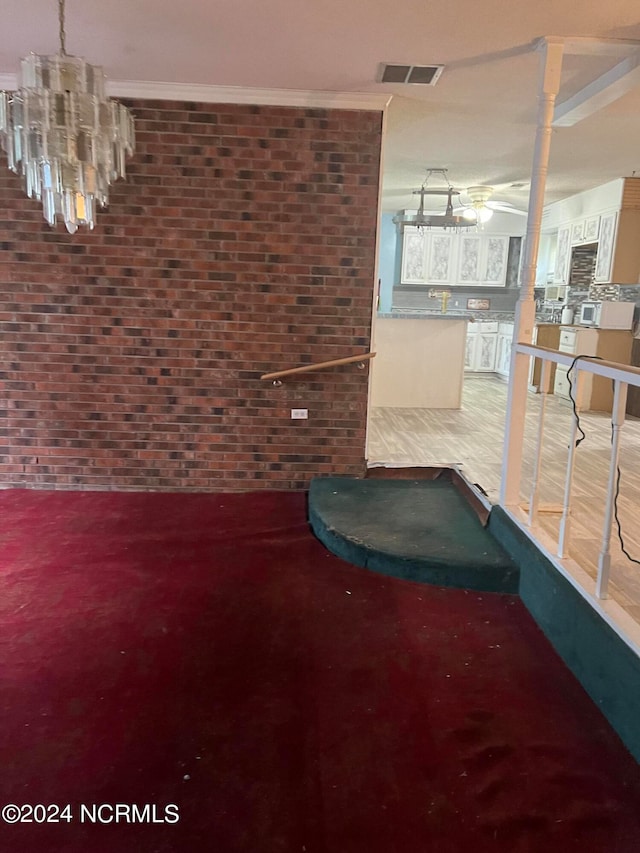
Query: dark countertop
[435, 314]
[425, 315]
[454, 314]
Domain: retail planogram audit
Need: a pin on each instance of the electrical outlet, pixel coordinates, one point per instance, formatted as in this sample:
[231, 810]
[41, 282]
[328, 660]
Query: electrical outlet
[299, 414]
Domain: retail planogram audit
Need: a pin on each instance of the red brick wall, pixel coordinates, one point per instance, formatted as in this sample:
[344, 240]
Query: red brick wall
[242, 242]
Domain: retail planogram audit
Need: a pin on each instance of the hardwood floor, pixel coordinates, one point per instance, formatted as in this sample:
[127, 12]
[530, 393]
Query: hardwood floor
[471, 440]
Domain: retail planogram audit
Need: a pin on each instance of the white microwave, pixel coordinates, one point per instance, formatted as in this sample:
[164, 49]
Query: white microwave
[606, 315]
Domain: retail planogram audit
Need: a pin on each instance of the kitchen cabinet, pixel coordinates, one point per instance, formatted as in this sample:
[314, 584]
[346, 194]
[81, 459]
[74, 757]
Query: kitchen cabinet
[503, 349]
[577, 233]
[440, 257]
[563, 256]
[585, 230]
[608, 215]
[633, 392]
[495, 251]
[440, 251]
[604, 258]
[469, 259]
[481, 347]
[482, 259]
[546, 259]
[591, 229]
[427, 256]
[618, 258]
[414, 265]
[597, 392]
[544, 335]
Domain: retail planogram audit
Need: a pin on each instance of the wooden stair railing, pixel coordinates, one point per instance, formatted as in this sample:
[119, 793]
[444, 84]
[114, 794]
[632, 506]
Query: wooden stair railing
[320, 365]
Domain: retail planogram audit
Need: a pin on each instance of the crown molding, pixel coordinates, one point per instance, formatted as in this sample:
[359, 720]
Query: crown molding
[205, 94]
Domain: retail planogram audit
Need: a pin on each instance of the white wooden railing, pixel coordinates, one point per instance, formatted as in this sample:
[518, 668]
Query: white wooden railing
[621, 376]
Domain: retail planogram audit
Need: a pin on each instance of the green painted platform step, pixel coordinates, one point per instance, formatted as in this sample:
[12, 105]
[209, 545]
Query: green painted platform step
[419, 530]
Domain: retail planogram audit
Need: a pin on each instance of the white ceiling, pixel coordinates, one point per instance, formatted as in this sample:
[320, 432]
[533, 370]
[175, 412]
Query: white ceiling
[478, 121]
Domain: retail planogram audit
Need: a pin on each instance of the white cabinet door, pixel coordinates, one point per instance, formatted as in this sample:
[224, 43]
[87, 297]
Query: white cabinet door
[500, 351]
[563, 256]
[577, 232]
[544, 259]
[591, 229]
[482, 260]
[606, 244]
[503, 351]
[494, 267]
[469, 259]
[560, 382]
[486, 352]
[585, 230]
[440, 250]
[438, 257]
[413, 256]
[470, 351]
[482, 342]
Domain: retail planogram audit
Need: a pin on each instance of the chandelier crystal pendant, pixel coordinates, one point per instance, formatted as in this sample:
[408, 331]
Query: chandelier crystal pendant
[63, 135]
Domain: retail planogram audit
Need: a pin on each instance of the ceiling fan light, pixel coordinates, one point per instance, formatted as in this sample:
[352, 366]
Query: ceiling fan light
[479, 194]
[484, 214]
[470, 214]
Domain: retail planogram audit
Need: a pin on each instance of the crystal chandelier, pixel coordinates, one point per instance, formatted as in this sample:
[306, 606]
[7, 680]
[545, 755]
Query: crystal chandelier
[63, 135]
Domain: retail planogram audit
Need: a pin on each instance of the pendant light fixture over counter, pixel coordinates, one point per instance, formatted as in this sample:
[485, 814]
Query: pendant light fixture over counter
[447, 220]
[64, 136]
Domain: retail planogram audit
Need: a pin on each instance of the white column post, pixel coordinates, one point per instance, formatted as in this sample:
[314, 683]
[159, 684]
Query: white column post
[545, 387]
[552, 49]
[617, 422]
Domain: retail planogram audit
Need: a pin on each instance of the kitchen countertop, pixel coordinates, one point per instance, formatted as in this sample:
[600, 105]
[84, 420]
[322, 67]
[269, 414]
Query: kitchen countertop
[471, 316]
[453, 314]
[407, 314]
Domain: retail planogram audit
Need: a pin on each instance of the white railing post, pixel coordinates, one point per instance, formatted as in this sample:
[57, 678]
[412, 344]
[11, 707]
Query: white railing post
[545, 381]
[617, 422]
[565, 522]
[525, 315]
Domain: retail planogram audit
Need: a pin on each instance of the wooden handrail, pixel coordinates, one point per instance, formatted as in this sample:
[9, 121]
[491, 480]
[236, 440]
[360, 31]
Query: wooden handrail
[321, 365]
[567, 357]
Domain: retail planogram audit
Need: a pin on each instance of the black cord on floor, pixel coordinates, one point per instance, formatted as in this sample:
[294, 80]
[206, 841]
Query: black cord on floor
[582, 438]
[615, 514]
[572, 398]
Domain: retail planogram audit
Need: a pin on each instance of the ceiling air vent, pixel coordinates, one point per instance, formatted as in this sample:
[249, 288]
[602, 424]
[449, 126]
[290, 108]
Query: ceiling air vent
[425, 75]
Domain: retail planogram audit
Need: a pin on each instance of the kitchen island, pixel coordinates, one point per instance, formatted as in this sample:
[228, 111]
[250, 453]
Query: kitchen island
[420, 360]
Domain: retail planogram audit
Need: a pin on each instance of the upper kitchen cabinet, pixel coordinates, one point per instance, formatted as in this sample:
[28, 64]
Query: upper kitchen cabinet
[414, 266]
[482, 260]
[585, 230]
[563, 256]
[427, 256]
[440, 254]
[618, 258]
[469, 270]
[545, 264]
[443, 257]
[608, 215]
[604, 258]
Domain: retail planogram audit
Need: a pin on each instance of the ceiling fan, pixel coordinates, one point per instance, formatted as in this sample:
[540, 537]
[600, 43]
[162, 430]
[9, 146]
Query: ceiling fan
[480, 208]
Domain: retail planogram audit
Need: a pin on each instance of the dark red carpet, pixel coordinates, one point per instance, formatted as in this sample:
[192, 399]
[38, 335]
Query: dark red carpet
[206, 652]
